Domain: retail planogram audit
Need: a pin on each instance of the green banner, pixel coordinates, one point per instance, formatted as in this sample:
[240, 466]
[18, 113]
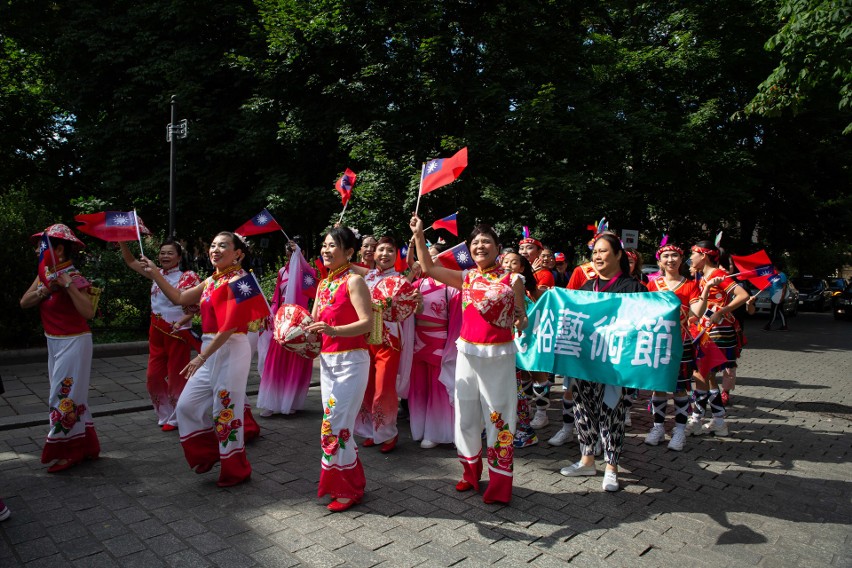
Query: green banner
[628, 340]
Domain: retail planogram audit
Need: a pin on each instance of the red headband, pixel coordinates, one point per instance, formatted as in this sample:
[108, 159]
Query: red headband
[667, 248]
[632, 255]
[709, 252]
[530, 241]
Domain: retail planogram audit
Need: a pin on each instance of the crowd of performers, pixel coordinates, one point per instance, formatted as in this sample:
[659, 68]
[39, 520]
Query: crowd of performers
[452, 362]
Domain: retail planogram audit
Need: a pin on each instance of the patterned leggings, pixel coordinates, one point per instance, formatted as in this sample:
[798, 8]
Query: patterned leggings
[595, 419]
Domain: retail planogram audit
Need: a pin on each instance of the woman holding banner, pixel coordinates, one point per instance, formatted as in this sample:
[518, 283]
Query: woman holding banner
[692, 303]
[486, 389]
[65, 302]
[598, 408]
[343, 314]
[724, 296]
[169, 339]
[210, 411]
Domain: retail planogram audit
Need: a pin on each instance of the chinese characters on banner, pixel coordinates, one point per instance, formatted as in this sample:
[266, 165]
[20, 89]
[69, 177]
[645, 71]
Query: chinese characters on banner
[630, 340]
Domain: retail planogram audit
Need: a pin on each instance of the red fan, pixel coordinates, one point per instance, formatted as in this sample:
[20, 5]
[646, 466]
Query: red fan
[397, 297]
[290, 323]
[494, 300]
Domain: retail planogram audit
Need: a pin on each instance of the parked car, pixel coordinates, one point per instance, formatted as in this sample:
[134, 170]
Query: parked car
[842, 307]
[764, 305]
[814, 293]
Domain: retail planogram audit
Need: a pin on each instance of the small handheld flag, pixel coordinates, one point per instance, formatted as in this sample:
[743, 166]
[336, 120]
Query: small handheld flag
[239, 303]
[456, 258]
[112, 226]
[261, 223]
[449, 223]
[438, 173]
[46, 259]
[757, 268]
[345, 184]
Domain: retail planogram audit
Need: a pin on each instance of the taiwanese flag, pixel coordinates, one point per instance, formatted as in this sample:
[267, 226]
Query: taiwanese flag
[440, 172]
[401, 262]
[238, 303]
[756, 268]
[111, 226]
[263, 222]
[707, 354]
[322, 271]
[46, 259]
[345, 184]
[449, 223]
[456, 258]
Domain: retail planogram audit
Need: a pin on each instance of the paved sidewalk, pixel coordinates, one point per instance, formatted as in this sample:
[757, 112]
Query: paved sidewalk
[775, 493]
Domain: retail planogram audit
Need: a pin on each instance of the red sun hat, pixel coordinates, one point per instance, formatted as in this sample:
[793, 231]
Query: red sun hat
[58, 231]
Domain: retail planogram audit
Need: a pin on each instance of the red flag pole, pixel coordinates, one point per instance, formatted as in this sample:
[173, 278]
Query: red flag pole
[420, 191]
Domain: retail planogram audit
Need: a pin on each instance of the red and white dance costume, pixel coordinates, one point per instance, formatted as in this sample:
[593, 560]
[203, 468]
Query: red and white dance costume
[377, 418]
[211, 409]
[486, 388]
[344, 373]
[169, 349]
[687, 292]
[286, 376]
[72, 433]
[430, 407]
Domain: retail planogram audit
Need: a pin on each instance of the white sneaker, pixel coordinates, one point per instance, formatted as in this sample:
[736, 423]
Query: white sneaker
[540, 420]
[266, 413]
[579, 470]
[562, 436]
[694, 426]
[656, 435]
[717, 427]
[610, 481]
[427, 444]
[678, 438]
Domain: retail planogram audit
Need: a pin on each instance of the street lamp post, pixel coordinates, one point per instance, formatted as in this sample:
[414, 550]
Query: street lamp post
[174, 130]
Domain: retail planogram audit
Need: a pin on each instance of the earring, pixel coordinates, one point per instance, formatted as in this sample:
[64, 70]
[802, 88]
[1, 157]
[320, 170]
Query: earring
[235, 262]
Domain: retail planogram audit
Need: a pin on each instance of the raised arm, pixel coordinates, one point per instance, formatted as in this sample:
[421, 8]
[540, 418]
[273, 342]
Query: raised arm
[131, 261]
[440, 273]
[188, 297]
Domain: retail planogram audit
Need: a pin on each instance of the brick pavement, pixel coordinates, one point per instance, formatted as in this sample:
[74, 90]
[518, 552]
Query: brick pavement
[774, 493]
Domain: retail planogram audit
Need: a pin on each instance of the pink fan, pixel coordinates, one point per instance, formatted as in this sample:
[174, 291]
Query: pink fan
[397, 297]
[290, 323]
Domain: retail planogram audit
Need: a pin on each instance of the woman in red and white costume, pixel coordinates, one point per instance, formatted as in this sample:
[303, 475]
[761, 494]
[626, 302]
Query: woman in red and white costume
[211, 410]
[724, 296]
[169, 339]
[343, 314]
[692, 304]
[430, 402]
[64, 301]
[377, 420]
[486, 387]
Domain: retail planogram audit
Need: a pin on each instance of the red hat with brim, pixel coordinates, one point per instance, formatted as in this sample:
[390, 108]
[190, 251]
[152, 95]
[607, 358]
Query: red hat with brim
[59, 231]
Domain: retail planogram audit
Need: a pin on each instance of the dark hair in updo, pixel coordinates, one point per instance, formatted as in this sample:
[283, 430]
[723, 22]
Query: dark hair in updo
[239, 244]
[713, 255]
[171, 241]
[344, 238]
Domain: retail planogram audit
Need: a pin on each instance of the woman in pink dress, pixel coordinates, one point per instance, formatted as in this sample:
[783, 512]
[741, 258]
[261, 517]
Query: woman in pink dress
[486, 388]
[286, 376]
[430, 403]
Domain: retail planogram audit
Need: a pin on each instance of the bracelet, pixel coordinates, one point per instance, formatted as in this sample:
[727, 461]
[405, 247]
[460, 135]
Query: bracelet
[332, 332]
[202, 357]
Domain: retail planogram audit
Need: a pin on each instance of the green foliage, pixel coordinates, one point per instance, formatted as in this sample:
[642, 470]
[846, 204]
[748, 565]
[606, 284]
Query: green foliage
[815, 49]
[20, 217]
[571, 111]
